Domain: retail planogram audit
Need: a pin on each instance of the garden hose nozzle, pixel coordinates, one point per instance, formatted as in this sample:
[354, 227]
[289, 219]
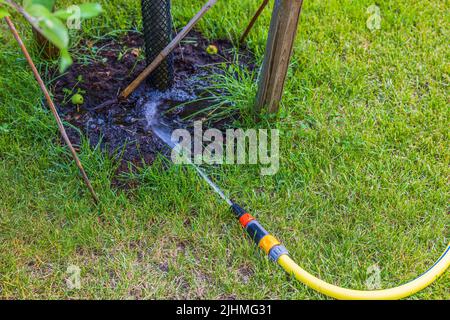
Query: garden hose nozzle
[268, 243]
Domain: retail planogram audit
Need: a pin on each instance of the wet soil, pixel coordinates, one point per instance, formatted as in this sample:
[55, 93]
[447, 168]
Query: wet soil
[102, 69]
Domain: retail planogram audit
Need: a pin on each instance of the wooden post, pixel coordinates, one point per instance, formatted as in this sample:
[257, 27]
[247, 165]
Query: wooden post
[283, 29]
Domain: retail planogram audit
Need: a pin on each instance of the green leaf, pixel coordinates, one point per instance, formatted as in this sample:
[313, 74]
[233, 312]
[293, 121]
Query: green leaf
[65, 61]
[53, 24]
[49, 4]
[52, 28]
[3, 13]
[86, 11]
[90, 10]
[27, 3]
[63, 14]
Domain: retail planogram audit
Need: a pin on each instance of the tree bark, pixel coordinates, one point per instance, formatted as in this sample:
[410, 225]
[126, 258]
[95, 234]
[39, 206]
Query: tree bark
[283, 29]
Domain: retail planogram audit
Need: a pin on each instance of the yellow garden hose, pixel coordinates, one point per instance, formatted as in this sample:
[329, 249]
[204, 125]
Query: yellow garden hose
[400, 292]
[279, 253]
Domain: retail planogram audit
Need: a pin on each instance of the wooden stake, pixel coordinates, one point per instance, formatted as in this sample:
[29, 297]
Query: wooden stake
[283, 29]
[61, 128]
[166, 51]
[252, 22]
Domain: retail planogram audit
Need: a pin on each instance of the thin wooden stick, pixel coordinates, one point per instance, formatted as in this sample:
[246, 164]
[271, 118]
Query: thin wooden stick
[252, 22]
[52, 107]
[166, 51]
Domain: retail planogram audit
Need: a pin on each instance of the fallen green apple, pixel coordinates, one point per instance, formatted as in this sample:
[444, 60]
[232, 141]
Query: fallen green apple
[77, 99]
[212, 49]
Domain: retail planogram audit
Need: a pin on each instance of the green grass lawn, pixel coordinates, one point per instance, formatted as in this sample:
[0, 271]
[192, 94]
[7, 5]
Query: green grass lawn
[363, 179]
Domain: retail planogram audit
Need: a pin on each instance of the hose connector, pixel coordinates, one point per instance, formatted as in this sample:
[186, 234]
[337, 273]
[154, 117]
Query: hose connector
[277, 251]
[271, 245]
[268, 243]
[238, 210]
[256, 231]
